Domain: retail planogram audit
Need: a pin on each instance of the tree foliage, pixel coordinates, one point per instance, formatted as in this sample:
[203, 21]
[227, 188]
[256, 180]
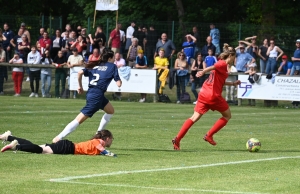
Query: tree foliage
[243, 11]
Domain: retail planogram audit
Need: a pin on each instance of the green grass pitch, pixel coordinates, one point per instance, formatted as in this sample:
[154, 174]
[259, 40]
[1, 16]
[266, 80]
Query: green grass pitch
[146, 161]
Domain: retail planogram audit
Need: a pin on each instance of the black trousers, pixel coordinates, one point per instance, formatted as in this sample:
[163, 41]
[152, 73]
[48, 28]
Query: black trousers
[35, 76]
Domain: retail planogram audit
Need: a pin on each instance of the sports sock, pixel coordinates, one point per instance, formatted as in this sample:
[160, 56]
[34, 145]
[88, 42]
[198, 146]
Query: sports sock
[104, 121]
[20, 140]
[33, 148]
[184, 129]
[217, 126]
[68, 129]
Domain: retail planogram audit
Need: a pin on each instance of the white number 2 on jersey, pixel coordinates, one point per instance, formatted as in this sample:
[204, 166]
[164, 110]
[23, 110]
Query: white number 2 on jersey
[94, 81]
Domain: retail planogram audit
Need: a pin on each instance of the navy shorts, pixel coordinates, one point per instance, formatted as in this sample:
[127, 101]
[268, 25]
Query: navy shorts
[62, 147]
[94, 104]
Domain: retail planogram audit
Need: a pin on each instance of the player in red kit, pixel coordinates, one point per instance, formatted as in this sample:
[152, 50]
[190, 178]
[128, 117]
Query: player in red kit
[210, 97]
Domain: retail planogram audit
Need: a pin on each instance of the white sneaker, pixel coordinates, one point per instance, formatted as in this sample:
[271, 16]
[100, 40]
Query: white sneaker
[195, 102]
[11, 146]
[32, 95]
[17, 95]
[4, 136]
[178, 102]
[44, 96]
[142, 100]
[27, 79]
[36, 95]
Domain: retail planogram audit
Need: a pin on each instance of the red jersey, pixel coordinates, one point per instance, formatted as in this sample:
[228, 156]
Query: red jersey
[115, 39]
[211, 91]
[91, 147]
[43, 42]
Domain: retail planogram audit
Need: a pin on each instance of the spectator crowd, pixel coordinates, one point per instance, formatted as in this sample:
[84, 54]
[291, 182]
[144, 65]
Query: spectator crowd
[134, 47]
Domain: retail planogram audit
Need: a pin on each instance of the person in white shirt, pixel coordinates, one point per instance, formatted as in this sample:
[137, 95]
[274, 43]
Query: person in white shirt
[46, 75]
[129, 33]
[74, 63]
[119, 62]
[34, 57]
[17, 74]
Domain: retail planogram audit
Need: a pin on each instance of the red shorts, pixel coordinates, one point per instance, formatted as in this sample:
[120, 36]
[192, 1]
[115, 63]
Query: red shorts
[202, 108]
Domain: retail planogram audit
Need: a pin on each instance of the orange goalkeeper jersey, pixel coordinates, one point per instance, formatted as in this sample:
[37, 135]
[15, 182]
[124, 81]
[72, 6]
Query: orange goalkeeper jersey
[91, 147]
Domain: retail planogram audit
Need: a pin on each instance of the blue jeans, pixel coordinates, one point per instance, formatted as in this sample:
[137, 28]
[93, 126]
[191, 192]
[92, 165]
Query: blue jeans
[262, 65]
[45, 78]
[180, 86]
[271, 65]
[294, 68]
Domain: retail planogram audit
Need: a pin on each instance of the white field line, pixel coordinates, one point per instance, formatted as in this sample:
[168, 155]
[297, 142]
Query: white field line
[168, 169]
[166, 189]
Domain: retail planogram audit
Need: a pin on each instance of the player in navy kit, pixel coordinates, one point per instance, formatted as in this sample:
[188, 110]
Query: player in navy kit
[99, 78]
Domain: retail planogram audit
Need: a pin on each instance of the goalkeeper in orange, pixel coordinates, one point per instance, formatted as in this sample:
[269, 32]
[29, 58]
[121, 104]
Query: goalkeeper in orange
[95, 146]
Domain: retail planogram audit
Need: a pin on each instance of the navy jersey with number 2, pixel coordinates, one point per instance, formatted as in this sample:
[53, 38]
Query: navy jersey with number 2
[99, 79]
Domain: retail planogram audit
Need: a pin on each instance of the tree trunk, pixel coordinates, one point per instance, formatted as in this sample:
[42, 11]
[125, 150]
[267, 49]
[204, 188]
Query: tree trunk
[268, 12]
[180, 10]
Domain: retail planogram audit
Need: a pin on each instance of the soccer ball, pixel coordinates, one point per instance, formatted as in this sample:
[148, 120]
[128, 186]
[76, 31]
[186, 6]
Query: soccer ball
[253, 145]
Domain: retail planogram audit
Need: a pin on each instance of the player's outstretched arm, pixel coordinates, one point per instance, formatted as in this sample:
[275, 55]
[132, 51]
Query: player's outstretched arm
[119, 83]
[208, 69]
[80, 88]
[235, 83]
[108, 153]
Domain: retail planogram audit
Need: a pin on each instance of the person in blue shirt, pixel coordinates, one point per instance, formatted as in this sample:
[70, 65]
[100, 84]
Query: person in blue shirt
[189, 47]
[296, 59]
[243, 59]
[215, 35]
[210, 60]
[141, 63]
[285, 66]
[99, 78]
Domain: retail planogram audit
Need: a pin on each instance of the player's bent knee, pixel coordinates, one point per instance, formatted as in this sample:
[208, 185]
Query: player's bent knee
[47, 150]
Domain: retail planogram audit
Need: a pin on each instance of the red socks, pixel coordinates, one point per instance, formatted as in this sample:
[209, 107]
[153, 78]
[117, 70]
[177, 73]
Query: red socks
[217, 126]
[184, 129]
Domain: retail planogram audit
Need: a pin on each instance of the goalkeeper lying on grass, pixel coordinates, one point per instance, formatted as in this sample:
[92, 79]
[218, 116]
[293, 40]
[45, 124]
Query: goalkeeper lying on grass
[95, 146]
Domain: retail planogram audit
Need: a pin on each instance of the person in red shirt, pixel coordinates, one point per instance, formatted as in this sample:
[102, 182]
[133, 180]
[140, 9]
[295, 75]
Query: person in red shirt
[114, 39]
[45, 43]
[95, 146]
[210, 97]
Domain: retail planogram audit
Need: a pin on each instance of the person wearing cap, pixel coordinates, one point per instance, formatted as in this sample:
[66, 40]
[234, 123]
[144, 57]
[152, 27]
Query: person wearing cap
[285, 66]
[141, 63]
[74, 62]
[3, 70]
[251, 48]
[25, 31]
[296, 59]
[243, 59]
[129, 34]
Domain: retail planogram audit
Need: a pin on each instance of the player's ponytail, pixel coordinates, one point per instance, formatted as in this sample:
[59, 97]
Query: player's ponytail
[103, 134]
[227, 51]
[106, 54]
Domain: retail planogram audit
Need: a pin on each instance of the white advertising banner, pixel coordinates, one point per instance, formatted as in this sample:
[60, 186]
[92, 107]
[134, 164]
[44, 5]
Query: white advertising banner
[140, 81]
[277, 88]
[111, 5]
